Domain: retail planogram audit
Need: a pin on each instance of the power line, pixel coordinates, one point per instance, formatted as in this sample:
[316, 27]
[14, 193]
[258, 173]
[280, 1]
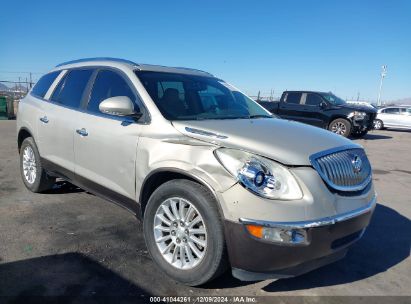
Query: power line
[16, 72]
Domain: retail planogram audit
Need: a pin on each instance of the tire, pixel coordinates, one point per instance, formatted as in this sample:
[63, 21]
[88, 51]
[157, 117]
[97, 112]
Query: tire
[202, 268]
[378, 124]
[340, 126]
[38, 180]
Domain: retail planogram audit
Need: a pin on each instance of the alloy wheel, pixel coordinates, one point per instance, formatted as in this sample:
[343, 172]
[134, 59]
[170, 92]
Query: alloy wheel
[180, 233]
[29, 165]
[339, 128]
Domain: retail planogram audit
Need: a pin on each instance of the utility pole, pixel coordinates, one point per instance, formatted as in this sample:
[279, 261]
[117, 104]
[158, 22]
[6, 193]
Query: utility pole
[31, 81]
[383, 74]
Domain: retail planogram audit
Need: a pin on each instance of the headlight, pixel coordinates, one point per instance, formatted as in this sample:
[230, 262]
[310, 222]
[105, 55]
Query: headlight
[260, 175]
[357, 115]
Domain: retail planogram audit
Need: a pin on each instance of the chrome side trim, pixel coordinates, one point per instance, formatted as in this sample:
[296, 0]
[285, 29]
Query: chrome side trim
[315, 223]
[205, 133]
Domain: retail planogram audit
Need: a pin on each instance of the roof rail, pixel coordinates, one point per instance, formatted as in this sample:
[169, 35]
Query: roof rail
[190, 69]
[97, 59]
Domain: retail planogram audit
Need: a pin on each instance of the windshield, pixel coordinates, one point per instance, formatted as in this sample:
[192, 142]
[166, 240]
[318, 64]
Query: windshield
[333, 99]
[189, 97]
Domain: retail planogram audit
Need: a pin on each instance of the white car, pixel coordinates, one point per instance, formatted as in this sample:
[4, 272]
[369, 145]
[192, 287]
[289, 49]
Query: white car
[393, 117]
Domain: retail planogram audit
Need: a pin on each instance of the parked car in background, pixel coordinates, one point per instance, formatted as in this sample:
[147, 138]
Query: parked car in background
[398, 117]
[217, 181]
[324, 110]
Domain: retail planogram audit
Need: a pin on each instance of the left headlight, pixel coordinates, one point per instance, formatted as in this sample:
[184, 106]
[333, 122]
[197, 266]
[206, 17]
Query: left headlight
[260, 175]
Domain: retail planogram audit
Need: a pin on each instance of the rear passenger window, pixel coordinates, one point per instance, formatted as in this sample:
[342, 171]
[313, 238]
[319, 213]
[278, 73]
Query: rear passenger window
[392, 111]
[108, 84]
[70, 90]
[43, 85]
[313, 100]
[293, 98]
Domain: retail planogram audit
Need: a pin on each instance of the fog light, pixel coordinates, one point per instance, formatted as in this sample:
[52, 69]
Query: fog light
[279, 234]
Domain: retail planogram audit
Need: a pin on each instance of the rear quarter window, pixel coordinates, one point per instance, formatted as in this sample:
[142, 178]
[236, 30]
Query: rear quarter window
[43, 85]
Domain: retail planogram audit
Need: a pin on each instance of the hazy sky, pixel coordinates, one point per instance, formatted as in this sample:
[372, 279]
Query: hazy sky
[334, 46]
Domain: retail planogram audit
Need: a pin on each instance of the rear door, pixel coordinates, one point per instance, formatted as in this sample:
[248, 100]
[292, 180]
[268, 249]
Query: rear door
[405, 118]
[290, 106]
[106, 149]
[57, 122]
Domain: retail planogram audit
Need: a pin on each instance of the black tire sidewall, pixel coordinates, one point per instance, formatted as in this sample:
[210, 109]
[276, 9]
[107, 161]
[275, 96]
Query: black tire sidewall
[205, 203]
[346, 123]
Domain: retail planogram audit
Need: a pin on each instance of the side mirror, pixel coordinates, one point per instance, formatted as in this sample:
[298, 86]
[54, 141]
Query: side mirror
[119, 106]
[323, 105]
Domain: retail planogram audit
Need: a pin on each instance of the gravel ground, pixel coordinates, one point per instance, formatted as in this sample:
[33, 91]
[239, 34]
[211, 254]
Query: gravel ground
[70, 243]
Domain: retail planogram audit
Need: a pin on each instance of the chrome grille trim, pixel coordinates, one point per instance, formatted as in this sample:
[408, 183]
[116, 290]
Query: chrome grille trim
[336, 168]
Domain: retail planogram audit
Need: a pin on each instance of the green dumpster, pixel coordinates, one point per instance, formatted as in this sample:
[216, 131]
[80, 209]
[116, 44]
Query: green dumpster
[6, 108]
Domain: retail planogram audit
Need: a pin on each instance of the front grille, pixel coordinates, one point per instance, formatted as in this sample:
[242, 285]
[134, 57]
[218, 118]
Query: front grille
[343, 169]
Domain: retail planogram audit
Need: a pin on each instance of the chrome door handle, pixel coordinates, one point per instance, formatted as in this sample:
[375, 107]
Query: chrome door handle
[44, 119]
[82, 132]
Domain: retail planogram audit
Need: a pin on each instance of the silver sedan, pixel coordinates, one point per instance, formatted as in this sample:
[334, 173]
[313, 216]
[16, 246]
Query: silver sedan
[393, 117]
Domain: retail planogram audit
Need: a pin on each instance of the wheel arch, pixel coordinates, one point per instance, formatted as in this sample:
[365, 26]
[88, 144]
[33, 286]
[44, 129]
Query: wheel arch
[338, 116]
[22, 135]
[162, 175]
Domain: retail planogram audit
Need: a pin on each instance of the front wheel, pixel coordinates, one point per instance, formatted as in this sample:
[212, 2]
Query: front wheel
[184, 233]
[341, 127]
[34, 176]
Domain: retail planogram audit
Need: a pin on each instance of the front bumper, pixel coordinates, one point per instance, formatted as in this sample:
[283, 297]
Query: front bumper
[364, 124]
[328, 240]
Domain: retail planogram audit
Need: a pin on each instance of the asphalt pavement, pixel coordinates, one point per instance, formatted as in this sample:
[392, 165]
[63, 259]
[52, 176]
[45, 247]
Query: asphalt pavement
[70, 243]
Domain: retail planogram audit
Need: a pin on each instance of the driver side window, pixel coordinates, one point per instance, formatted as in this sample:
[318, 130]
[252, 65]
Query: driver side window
[313, 100]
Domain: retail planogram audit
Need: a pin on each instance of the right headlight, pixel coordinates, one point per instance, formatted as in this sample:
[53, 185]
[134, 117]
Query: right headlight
[357, 115]
[260, 175]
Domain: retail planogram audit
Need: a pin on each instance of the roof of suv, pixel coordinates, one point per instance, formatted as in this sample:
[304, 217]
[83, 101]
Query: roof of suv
[107, 61]
[304, 91]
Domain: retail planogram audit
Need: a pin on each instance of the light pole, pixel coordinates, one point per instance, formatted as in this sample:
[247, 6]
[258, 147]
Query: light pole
[383, 74]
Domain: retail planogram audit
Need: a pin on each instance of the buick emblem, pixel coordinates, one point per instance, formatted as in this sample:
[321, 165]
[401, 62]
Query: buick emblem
[356, 163]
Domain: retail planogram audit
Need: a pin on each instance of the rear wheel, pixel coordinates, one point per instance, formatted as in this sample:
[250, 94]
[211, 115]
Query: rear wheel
[378, 124]
[341, 127]
[34, 176]
[184, 232]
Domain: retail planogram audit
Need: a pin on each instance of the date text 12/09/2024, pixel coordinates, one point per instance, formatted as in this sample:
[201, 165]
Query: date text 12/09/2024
[205, 299]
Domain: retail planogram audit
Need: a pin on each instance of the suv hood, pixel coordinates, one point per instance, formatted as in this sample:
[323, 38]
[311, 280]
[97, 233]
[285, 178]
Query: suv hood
[287, 142]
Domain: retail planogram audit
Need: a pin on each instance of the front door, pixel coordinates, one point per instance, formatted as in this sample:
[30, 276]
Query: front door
[312, 112]
[106, 146]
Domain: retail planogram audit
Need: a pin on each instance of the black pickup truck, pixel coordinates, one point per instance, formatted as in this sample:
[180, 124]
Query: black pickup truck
[324, 110]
